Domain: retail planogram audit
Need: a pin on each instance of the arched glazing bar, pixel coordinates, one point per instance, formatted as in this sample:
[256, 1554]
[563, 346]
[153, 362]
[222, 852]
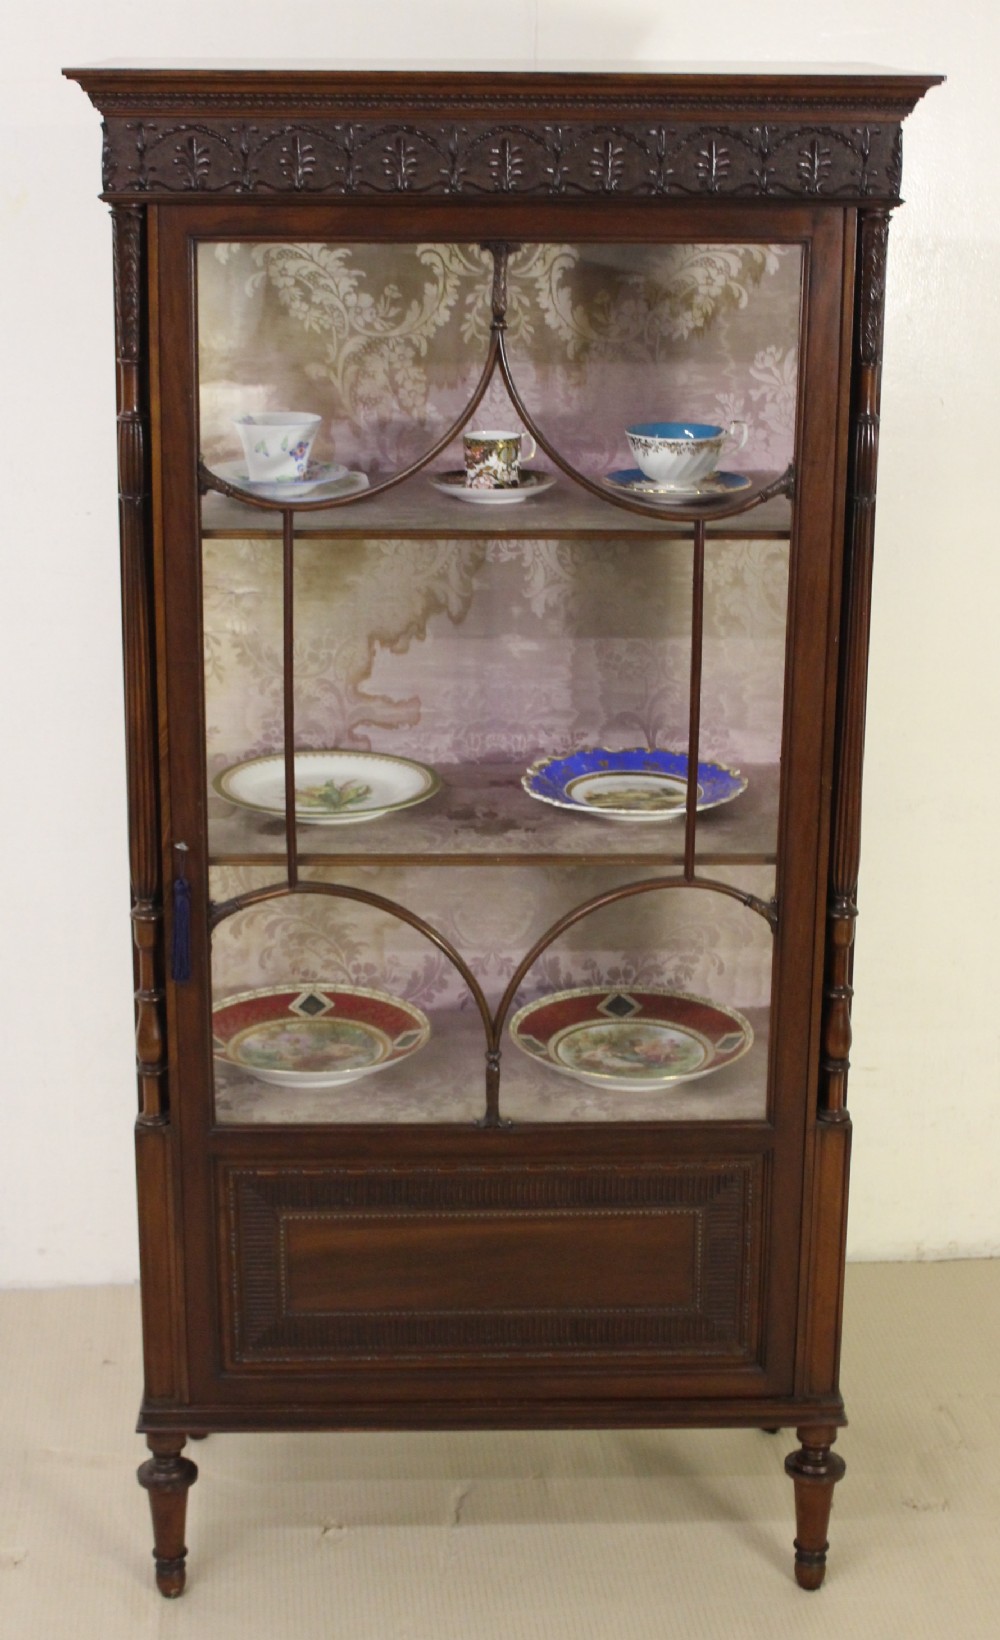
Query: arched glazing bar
[211, 481]
[493, 1020]
[221, 910]
[497, 359]
[767, 909]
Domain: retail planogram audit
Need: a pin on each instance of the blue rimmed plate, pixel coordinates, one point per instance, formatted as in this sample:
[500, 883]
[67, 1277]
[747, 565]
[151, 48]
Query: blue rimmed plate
[638, 784]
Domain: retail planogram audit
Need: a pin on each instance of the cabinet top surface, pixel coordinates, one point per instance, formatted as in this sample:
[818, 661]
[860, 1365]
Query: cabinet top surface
[802, 82]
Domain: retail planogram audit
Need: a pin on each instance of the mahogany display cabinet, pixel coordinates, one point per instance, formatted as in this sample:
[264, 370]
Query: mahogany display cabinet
[494, 850]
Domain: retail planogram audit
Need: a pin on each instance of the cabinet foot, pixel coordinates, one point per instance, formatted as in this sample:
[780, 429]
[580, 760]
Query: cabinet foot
[815, 1471]
[167, 1476]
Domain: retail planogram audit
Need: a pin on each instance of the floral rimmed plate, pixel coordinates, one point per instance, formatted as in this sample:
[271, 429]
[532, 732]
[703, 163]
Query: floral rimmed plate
[332, 788]
[714, 487]
[646, 1039]
[639, 784]
[315, 1036]
[453, 483]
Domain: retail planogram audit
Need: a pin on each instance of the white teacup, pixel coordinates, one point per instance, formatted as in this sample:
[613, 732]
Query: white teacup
[682, 452]
[277, 443]
[493, 459]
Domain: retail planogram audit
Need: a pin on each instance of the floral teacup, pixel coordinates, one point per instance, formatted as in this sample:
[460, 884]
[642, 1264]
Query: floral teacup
[277, 444]
[493, 459]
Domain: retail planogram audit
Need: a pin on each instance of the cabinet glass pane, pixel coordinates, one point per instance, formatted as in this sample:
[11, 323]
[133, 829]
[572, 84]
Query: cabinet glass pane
[474, 641]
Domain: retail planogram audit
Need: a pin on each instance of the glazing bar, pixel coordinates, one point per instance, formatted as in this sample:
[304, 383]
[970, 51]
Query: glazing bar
[694, 698]
[288, 668]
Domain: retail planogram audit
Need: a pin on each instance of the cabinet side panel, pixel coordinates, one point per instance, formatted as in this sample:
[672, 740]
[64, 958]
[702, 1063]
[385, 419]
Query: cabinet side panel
[158, 1260]
[828, 1196]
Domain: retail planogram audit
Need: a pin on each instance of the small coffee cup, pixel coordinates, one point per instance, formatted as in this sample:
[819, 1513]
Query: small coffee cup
[493, 459]
[277, 444]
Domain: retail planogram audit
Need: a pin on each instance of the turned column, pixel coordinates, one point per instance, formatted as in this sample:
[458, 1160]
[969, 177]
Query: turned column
[815, 1471]
[167, 1477]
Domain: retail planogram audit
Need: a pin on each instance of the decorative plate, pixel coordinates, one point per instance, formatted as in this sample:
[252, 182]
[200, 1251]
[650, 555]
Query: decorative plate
[283, 489]
[646, 1039]
[714, 487]
[453, 483]
[637, 785]
[332, 788]
[315, 1036]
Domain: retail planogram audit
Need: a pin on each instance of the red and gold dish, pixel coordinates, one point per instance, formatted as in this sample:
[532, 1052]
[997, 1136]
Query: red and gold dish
[315, 1036]
[630, 1039]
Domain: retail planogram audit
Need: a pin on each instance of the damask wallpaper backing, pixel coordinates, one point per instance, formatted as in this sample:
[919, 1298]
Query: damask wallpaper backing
[387, 341]
[493, 652]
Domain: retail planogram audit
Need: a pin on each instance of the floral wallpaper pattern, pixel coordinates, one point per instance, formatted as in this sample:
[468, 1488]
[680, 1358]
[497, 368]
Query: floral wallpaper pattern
[495, 651]
[387, 341]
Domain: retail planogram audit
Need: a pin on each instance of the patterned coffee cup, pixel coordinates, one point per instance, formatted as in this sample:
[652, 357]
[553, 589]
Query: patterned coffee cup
[493, 459]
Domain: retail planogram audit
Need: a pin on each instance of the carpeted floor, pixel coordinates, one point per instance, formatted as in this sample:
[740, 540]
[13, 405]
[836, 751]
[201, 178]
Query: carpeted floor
[633, 1536]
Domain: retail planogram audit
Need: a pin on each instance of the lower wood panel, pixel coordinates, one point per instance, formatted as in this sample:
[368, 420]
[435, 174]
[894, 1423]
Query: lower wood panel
[329, 1265]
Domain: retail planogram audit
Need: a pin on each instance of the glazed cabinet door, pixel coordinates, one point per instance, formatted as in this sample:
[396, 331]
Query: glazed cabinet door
[500, 796]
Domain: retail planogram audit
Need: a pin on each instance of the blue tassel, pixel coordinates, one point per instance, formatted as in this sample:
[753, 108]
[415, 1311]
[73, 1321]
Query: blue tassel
[180, 953]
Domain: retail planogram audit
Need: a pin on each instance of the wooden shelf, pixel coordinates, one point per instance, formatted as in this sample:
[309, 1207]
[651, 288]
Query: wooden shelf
[483, 816]
[416, 510]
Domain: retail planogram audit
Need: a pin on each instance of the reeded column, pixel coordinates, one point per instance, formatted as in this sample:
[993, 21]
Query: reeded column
[137, 625]
[846, 839]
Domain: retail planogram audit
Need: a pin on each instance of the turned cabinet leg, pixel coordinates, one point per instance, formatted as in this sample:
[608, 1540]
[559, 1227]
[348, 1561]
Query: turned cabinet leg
[815, 1471]
[167, 1477]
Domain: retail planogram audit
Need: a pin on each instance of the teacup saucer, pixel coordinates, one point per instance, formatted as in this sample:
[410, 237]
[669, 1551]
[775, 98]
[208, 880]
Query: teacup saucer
[285, 489]
[713, 487]
[453, 483]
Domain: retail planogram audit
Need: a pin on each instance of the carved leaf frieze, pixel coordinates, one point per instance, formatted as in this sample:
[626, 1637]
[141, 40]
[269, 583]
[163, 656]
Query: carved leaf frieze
[218, 156]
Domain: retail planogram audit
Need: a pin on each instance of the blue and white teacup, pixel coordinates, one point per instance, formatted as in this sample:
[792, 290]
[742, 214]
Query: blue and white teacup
[682, 452]
[277, 443]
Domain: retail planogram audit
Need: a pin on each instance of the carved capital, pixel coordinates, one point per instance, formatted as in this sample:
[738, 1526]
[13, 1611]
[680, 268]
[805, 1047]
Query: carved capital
[874, 249]
[127, 223]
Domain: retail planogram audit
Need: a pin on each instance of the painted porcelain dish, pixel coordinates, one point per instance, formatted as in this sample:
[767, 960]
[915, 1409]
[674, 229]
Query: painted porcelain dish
[643, 1039]
[639, 784]
[282, 489]
[315, 1036]
[714, 487]
[529, 484]
[332, 788]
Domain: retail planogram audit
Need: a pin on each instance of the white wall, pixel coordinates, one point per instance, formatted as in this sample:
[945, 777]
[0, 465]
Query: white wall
[925, 1089]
